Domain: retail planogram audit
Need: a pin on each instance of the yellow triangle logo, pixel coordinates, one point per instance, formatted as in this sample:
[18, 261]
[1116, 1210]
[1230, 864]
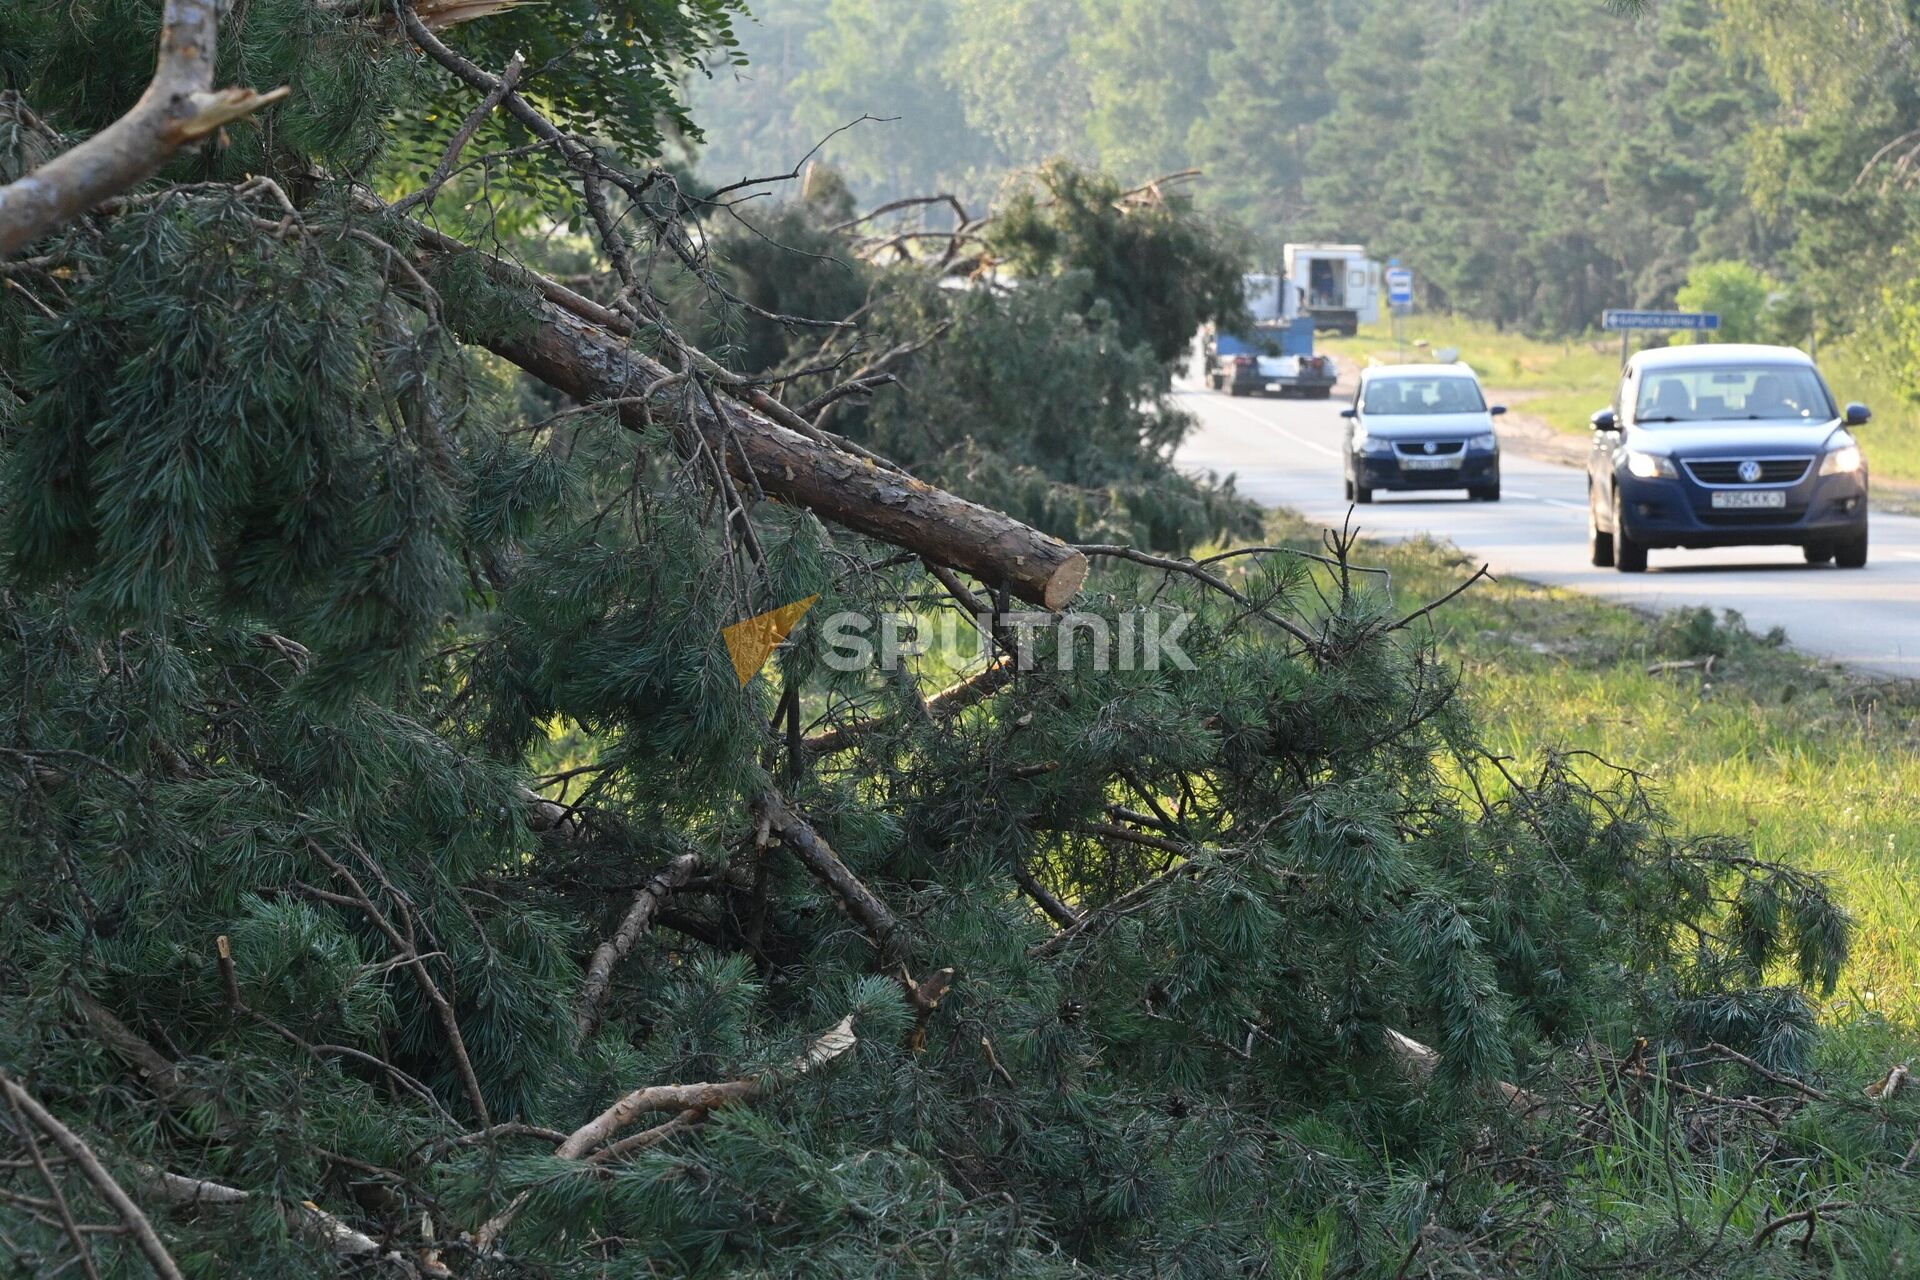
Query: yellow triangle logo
[752, 642]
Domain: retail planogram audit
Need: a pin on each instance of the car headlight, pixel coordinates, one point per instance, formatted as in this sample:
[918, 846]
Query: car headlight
[1842, 461]
[1486, 443]
[1364, 443]
[1651, 466]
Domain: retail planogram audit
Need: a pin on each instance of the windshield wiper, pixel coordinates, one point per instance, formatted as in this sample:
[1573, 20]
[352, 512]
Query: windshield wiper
[1665, 417]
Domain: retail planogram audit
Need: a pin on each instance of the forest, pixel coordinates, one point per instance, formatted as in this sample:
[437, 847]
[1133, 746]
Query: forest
[401, 406]
[1535, 160]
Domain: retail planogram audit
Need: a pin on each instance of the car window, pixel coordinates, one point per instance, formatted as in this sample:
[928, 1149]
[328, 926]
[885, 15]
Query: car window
[1732, 393]
[1440, 394]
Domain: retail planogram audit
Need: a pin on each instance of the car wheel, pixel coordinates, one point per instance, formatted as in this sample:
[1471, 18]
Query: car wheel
[1362, 494]
[1628, 556]
[1346, 483]
[1599, 542]
[1485, 493]
[1851, 554]
[1236, 391]
[1817, 553]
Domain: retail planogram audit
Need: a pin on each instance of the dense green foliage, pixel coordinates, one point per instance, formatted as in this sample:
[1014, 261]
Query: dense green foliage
[355, 687]
[1534, 161]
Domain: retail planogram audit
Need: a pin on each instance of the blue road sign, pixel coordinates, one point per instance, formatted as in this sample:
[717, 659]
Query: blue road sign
[1400, 287]
[1659, 320]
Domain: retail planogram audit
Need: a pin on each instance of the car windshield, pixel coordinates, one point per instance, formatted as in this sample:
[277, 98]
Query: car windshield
[1443, 394]
[1733, 393]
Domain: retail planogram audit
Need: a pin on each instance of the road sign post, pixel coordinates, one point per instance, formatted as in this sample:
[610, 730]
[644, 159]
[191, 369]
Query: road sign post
[1627, 322]
[1399, 304]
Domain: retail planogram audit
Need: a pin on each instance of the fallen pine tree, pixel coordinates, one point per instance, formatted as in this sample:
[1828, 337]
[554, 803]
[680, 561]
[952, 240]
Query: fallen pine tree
[403, 880]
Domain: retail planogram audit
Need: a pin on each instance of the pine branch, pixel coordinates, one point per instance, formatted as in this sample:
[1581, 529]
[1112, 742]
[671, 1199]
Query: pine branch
[180, 106]
[705, 1096]
[692, 1102]
[82, 1155]
[81, 1249]
[182, 1192]
[411, 959]
[575, 346]
[646, 903]
[948, 702]
[776, 817]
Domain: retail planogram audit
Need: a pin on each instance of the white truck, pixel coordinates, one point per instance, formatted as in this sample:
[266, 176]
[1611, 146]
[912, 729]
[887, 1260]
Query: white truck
[1339, 284]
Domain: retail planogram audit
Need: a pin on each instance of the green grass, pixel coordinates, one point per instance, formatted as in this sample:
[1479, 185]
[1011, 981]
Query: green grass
[1562, 382]
[1892, 440]
[1809, 763]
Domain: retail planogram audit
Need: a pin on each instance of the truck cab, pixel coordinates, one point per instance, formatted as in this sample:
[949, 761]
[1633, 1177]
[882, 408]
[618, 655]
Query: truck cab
[1339, 285]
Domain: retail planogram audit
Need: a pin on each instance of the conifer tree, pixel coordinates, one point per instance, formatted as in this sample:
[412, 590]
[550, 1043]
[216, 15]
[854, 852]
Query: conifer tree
[402, 880]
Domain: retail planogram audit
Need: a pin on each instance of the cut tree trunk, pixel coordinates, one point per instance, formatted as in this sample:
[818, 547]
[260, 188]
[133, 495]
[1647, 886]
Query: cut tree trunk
[574, 348]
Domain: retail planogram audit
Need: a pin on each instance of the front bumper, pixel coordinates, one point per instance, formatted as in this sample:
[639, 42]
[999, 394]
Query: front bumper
[1383, 471]
[1680, 513]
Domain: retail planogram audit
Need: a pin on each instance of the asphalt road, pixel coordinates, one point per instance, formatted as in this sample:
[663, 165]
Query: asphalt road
[1285, 453]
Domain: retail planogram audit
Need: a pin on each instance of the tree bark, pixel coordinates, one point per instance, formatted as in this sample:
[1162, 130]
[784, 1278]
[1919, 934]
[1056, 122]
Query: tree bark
[591, 364]
[646, 904]
[821, 862]
[178, 107]
[577, 346]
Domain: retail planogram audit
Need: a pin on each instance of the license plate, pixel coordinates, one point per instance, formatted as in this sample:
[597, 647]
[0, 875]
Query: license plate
[1735, 499]
[1447, 463]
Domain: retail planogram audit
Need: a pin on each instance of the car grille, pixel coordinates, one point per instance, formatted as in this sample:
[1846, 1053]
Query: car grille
[1427, 448]
[1726, 471]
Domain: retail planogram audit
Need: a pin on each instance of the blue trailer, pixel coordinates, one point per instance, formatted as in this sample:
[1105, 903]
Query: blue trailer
[1273, 357]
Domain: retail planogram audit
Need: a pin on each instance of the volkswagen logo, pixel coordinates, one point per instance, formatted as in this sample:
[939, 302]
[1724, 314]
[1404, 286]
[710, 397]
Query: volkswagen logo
[1432, 447]
[1749, 471]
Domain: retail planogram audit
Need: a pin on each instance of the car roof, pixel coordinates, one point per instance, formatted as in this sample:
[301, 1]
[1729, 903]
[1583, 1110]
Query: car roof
[1457, 369]
[1718, 353]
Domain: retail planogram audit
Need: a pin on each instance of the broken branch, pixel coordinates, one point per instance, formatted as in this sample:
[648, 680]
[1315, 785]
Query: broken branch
[179, 106]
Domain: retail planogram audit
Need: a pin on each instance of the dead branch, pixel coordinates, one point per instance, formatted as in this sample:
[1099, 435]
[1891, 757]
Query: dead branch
[777, 818]
[82, 1155]
[1059, 912]
[182, 1192]
[704, 1097]
[1423, 1061]
[1127, 903]
[648, 1137]
[911, 202]
[1809, 1216]
[179, 106]
[924, 996]
[639, 917]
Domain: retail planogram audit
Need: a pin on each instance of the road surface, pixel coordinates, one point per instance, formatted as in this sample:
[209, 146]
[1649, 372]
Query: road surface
[1286, 453]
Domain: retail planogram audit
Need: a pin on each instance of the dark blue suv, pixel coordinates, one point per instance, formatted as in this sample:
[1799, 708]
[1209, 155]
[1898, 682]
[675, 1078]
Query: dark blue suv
[1726, 445]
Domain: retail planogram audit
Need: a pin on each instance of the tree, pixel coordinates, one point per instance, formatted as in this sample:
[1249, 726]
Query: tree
[410, 871]
[1734, 291]
[1162, 268]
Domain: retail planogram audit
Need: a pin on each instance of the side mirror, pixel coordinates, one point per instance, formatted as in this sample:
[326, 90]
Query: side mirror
[1494, 411]
[1858, 415]
[1604, 420]
[1349, 412]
